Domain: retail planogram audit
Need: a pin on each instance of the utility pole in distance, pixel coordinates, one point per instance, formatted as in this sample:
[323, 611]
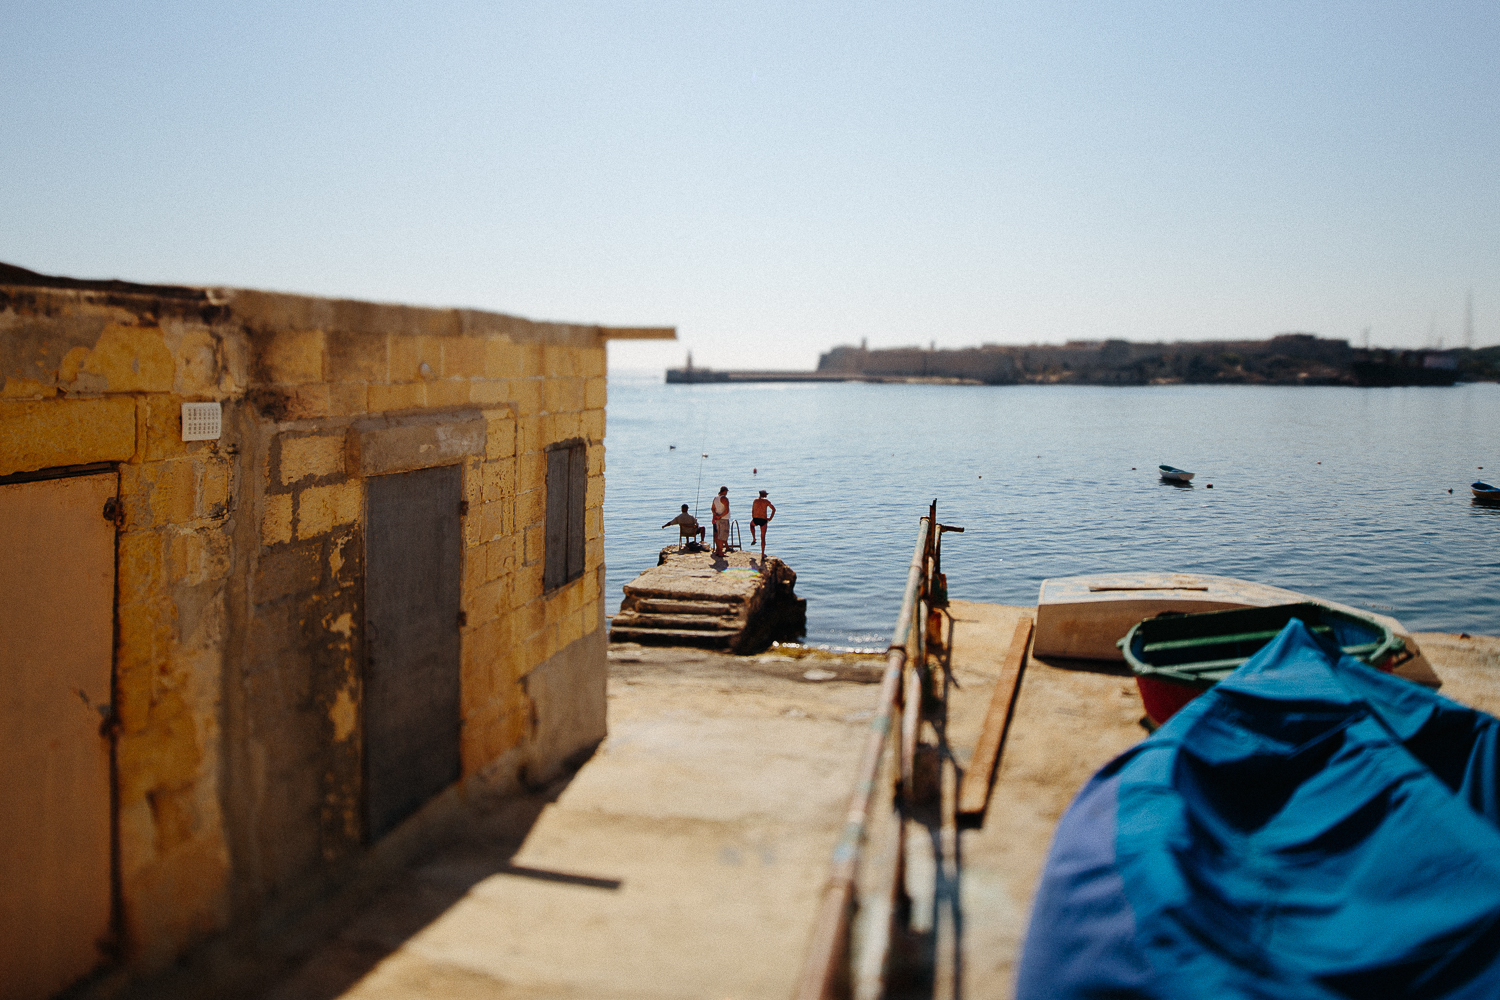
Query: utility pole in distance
[1469, 320]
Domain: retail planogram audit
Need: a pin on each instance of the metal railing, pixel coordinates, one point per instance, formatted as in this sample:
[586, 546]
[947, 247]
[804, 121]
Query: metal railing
[827, 972]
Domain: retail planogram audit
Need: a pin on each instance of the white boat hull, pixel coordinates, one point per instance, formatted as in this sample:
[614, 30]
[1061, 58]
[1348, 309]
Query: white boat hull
[1082, 617]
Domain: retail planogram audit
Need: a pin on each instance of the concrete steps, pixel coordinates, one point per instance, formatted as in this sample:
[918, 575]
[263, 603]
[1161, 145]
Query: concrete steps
[631, 619]
[659, 606]
[739, 602]
[722, 639]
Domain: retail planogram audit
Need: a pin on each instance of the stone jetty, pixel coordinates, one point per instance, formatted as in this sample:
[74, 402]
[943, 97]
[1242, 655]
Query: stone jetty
[738, 602]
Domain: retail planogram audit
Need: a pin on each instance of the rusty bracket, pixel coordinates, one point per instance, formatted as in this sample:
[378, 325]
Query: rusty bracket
[109, 722]
[114, 512]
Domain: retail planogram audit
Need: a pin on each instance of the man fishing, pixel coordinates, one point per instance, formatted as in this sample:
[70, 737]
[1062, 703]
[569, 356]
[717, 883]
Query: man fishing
[761, 512]
[687, 526]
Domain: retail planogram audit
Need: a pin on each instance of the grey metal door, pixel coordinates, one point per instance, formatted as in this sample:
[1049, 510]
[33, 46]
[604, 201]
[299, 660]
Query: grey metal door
[413, 570]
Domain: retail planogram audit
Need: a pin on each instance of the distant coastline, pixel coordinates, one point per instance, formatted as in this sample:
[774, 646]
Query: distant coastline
[1287, 359]
[709, 375]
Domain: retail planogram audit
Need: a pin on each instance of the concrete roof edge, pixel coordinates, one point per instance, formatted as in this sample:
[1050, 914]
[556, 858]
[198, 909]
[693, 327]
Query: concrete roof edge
[638, 332]
[285, 310]
[266, 310]
[20, 277]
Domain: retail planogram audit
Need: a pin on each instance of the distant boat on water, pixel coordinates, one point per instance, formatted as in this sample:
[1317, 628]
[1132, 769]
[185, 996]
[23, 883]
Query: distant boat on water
[1174, 475]
[1485, 492]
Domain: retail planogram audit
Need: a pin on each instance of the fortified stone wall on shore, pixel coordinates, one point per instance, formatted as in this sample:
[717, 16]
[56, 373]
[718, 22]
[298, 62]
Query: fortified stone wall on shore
[239, 663]
[1287, 359]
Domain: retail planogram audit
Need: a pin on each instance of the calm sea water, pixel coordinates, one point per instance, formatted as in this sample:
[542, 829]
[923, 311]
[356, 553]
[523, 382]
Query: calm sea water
[1337, 492]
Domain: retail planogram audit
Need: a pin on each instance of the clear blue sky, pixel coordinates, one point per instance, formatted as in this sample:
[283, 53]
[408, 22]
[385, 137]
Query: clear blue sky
[779, 178]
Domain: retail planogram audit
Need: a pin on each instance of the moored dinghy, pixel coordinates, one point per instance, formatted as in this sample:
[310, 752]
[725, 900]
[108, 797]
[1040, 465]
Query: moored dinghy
[1485, 492]
[1175, 657]
[1083, 617]
[1174, 475]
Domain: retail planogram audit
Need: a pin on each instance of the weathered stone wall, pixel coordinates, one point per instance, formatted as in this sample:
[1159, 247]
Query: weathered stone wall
[335, 405]
[102, 380]
[996, 365]
[240, 583]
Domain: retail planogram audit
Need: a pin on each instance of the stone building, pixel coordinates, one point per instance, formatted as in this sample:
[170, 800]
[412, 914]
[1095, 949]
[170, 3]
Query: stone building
[1285, 359]
[245, 644]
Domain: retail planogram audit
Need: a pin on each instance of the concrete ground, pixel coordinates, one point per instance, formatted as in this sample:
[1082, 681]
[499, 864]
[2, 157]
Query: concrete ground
[972, 888]
[684, 859]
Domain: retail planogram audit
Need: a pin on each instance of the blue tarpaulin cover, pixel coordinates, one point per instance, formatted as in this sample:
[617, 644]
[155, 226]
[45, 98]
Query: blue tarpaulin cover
[1308, 827]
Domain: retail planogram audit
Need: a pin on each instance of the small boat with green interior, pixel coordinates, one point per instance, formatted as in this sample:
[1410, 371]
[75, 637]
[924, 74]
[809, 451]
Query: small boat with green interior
[1176, 657]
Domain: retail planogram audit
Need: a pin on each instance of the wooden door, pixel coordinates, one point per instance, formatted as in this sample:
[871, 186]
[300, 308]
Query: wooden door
[567, 489]
[57, 599]
[413, 572]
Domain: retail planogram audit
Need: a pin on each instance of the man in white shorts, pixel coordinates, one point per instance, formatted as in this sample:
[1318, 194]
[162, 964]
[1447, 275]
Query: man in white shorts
[720, 508]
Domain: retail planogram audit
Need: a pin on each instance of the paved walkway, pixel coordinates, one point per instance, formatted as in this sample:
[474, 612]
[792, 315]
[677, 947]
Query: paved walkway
[684, 859]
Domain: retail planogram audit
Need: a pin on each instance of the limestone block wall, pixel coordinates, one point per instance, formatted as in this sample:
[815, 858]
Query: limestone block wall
[240, 561]
[344, 393]
[102, 381]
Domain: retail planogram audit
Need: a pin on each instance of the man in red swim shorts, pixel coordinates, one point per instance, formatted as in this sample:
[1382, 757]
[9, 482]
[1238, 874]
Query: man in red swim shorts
[761, 512]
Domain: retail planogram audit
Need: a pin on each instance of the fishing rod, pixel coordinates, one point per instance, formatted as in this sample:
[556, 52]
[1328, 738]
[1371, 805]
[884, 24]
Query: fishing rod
[698, 496]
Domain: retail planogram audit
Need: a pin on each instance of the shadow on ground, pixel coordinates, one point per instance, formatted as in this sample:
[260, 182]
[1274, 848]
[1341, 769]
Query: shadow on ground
[323, 952]
[416, 897]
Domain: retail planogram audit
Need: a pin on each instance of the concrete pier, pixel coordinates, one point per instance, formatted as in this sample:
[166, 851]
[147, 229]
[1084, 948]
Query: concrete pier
[740, 601]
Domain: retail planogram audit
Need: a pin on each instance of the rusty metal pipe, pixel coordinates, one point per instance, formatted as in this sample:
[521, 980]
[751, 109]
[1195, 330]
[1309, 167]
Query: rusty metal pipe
[911, 703]
[909, 596]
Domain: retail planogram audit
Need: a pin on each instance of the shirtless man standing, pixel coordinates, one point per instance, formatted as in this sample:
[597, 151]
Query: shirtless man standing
[761, 512]
[720, 508]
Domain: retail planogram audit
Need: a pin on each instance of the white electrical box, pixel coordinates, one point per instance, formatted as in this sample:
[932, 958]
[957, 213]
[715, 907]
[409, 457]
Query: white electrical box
[202, 421]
